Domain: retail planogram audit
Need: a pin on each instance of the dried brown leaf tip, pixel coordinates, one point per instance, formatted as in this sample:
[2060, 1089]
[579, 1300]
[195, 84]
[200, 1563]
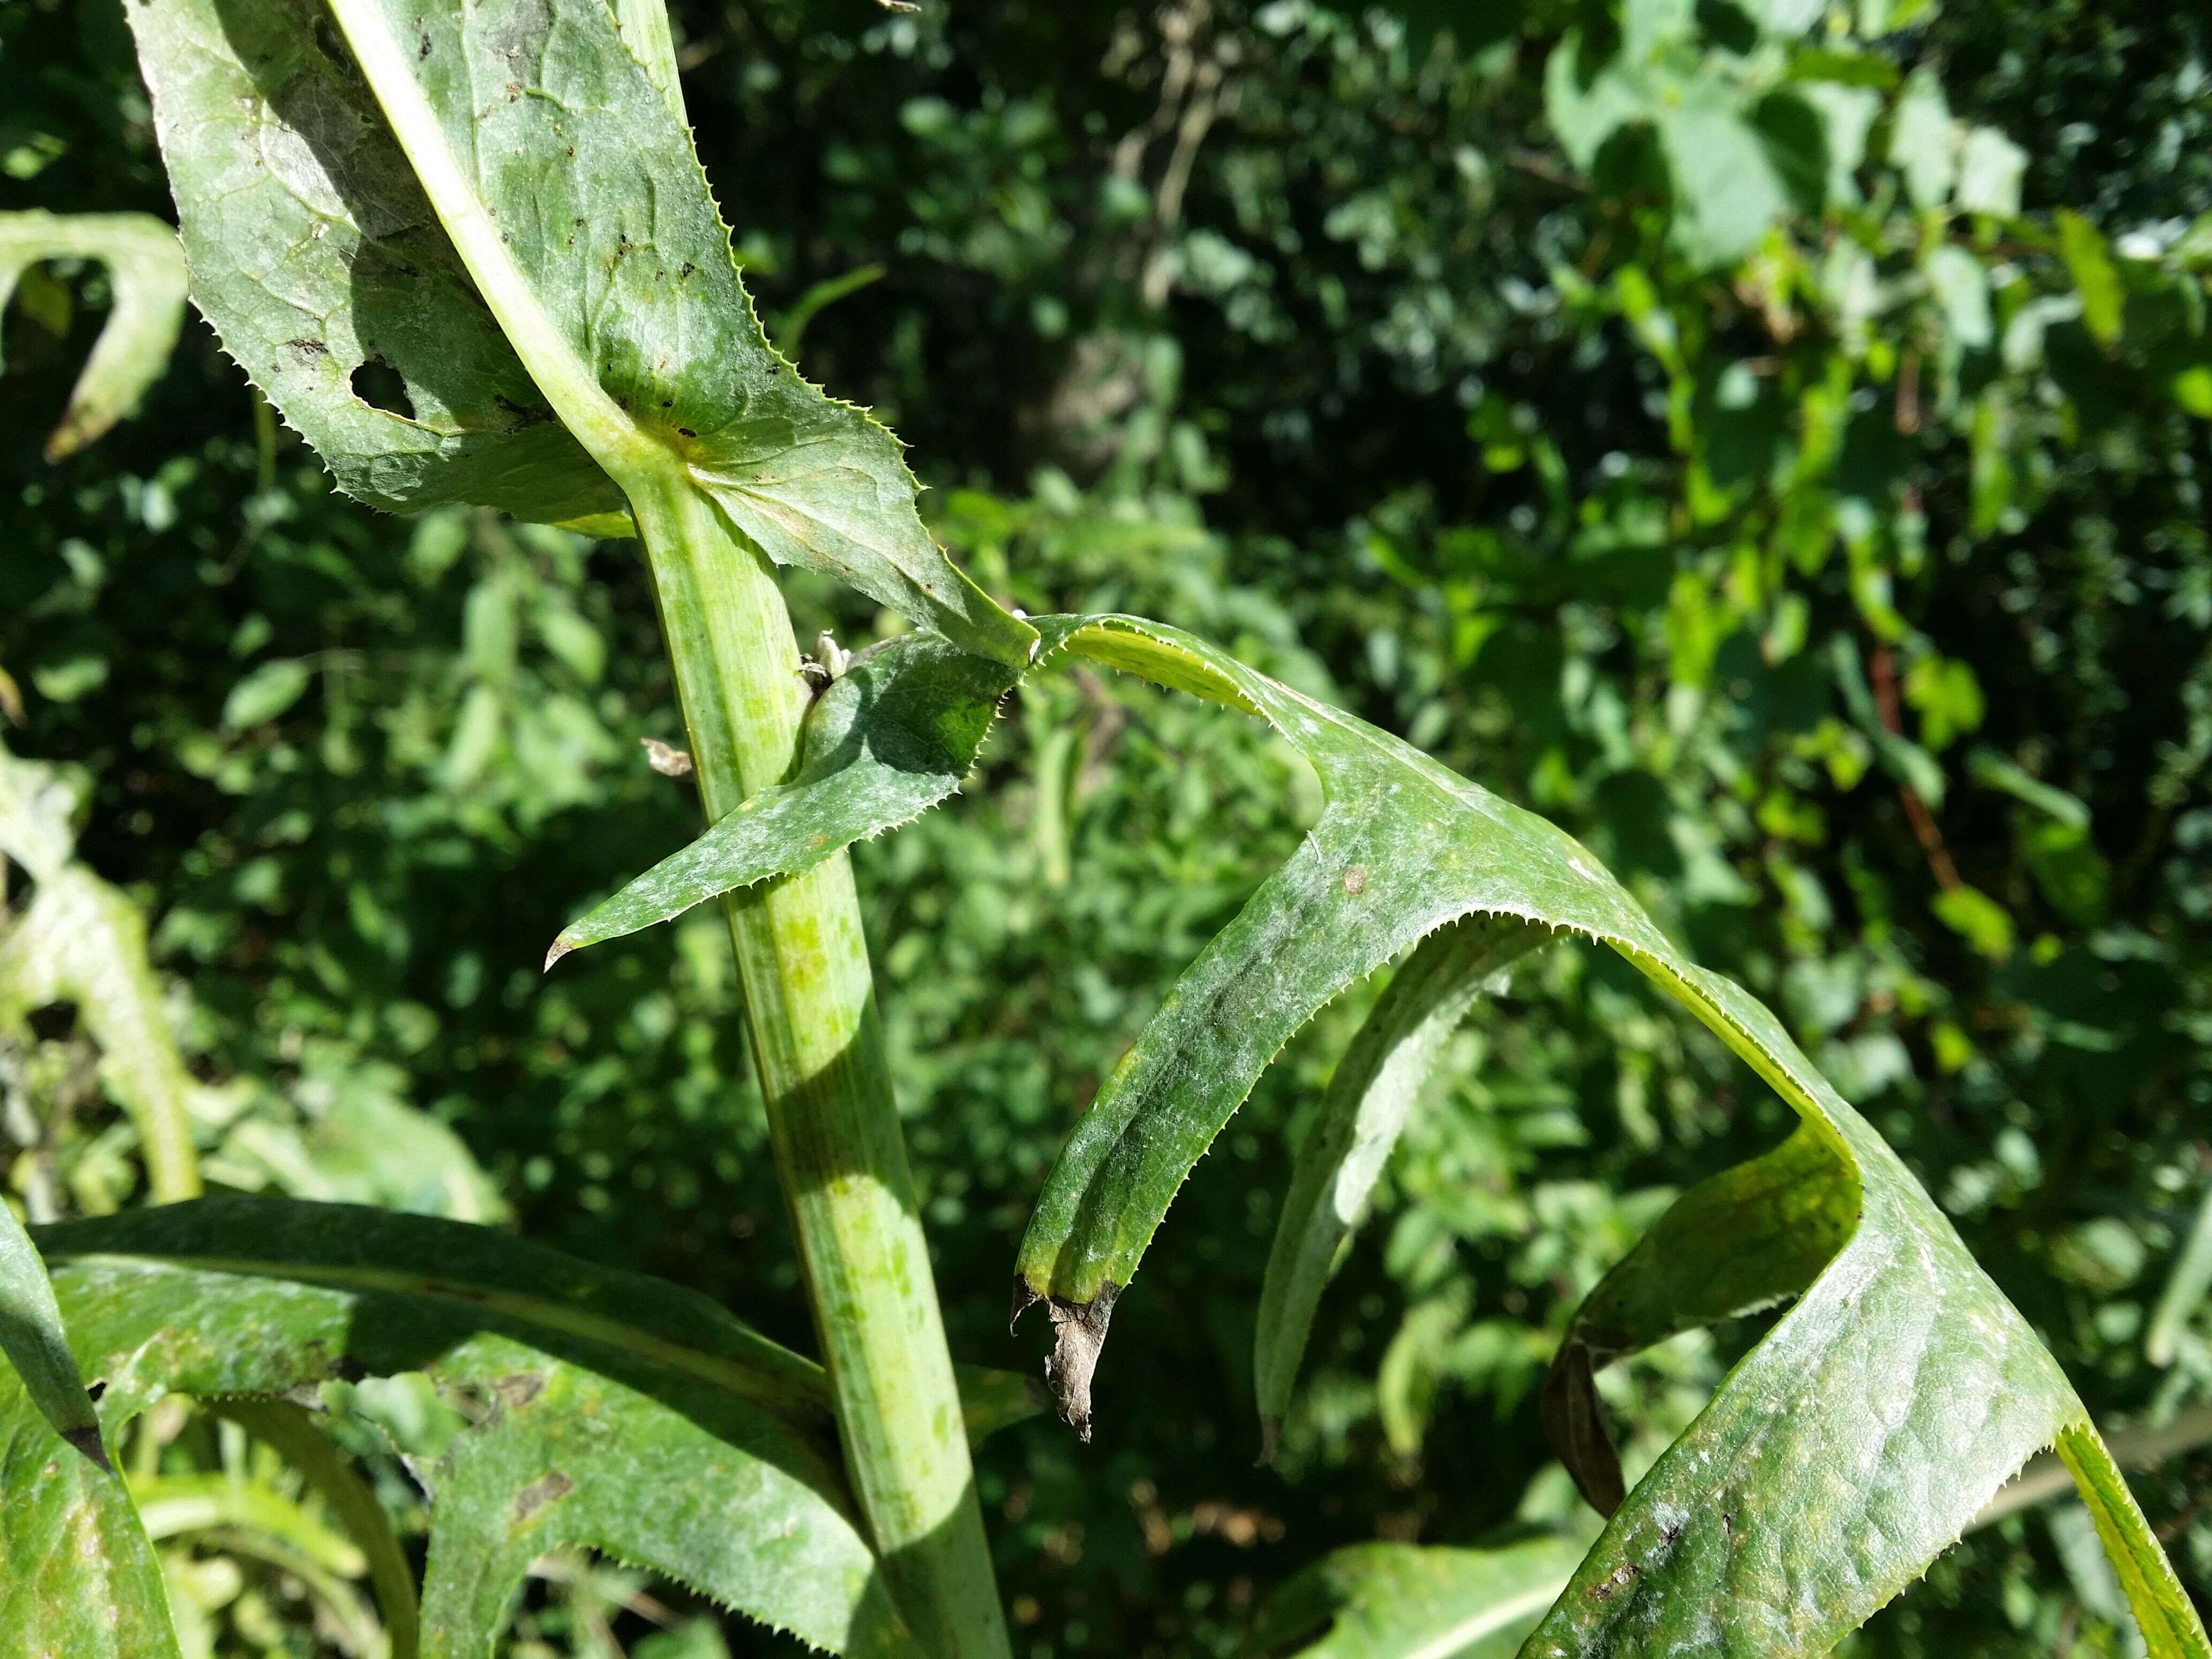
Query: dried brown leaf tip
[1078, 1332]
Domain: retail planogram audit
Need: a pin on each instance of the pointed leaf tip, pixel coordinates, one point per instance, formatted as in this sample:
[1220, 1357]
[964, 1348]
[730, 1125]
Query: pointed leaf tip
[561, 947]
[88, 1441]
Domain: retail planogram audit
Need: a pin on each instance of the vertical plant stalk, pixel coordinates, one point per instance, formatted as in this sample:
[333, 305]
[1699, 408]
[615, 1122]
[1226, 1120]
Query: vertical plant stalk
[810, 1009]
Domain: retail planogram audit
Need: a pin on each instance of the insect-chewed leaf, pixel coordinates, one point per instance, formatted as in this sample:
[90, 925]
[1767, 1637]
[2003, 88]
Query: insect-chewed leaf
[146, 268]
[341, 190]
[1407, 1602]
[604, 1409]
[1360, 1120]
[1742, 1240]
[888, 739]
[317, 257]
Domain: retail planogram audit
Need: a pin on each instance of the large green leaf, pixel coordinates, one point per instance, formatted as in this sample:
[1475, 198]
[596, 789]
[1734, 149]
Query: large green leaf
[347, 195]
[1855, 1441]
[1359, 1122]
[316, 256]
[146, 270]
[1406, 1601]
[603, 1409]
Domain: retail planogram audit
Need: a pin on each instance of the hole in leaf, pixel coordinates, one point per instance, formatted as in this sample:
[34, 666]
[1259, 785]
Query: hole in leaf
[378, 384]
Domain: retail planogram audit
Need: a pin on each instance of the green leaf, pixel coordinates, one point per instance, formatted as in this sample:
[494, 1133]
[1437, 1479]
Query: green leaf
[600, 1408]
[38, 809]
[146, 268]
[1990, 169]
[82, 941]
[32, 1337]
[1742, 1241]
[1977, 918]
[889, 738]
[2095, 277]
[1361, 1117]
[1923, 141]
[1852, 1445]
[316, 256]
[1406, 1601]
[2186, 1288]
[265, 693]
[576, 209]
[290, 1431]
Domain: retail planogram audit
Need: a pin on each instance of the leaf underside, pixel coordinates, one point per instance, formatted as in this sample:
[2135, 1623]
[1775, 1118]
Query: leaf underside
[603, 1409]
[1851, 1446]
[316, 252]
[1361, 1117]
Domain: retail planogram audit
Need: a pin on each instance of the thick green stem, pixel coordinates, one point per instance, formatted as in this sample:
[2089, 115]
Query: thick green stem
[809, 1008]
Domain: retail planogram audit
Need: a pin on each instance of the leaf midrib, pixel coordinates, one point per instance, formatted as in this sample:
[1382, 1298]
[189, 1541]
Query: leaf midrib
[622, 448]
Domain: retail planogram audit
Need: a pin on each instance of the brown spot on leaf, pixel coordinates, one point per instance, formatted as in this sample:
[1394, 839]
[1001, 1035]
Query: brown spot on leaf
[550, 1488]
[517, 1388]
[1355, 880]
[1615, 1582]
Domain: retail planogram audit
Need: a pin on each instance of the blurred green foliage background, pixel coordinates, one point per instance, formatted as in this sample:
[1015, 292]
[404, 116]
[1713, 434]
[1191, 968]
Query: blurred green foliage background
[1770, 438]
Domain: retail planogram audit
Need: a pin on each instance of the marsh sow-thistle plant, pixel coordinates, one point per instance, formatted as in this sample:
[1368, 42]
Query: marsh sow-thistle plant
[466, 248]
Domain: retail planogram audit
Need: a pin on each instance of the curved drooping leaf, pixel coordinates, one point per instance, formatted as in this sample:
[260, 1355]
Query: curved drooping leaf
[1361, 1118]
[603, 1409]
[888, 738]
[82, 941]
[1740, 1242]
[1850, 1447]
[348, 193]
[290, 1431]
[1410, 1601]
[146, 270]
[2186, 1287]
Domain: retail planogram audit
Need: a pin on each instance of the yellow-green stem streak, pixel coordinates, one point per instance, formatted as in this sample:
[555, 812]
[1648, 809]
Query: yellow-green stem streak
[810, 1009]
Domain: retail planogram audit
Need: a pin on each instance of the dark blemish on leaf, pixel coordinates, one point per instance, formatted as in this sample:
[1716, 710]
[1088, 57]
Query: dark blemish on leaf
[423, 49]
[687, 431]
[304, 348]
[518, 1388]
[95, 1389]
[525, 415]
[1355, 880]
[1728, 1526]
[1619, 1579]
[1668, 1534]
[668, 402]
[87, 1442]
[514, 90]
[538, 1493]
[685, 269]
